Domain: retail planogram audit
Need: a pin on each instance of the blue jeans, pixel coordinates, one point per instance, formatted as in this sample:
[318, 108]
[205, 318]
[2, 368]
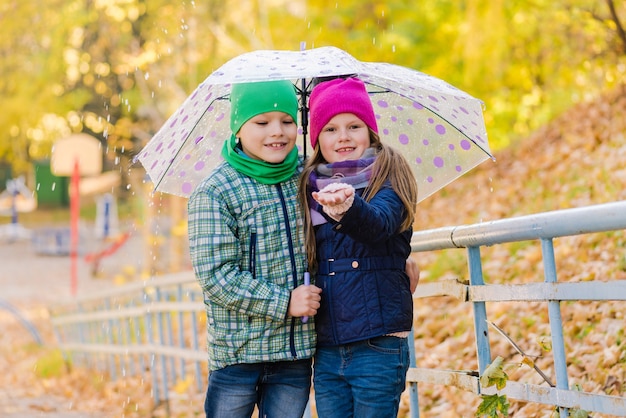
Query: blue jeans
[361, 380]
[279, 389]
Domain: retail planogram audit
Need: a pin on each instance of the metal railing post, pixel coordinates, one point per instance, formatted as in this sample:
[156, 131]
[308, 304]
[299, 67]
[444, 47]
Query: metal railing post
[481, 330]
[413, 398]
[556, 322]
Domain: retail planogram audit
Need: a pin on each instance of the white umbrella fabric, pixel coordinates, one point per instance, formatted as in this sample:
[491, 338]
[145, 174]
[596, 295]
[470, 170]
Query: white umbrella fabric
[439, 128]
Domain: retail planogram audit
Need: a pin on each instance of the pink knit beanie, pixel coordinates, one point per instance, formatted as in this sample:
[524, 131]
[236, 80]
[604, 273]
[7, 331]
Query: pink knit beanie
[333, 97]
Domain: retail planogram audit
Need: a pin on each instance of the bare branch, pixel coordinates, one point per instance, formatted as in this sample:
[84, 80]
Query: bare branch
[519, 350]
[620, 29]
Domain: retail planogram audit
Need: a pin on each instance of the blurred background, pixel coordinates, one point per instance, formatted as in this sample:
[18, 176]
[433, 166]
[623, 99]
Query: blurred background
[115, 70]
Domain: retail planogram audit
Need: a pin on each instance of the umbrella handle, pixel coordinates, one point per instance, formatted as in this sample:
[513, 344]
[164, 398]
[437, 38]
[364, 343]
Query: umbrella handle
[307, 281]
[304, 112]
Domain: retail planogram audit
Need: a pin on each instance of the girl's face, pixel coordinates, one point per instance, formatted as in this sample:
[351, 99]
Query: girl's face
[268, 137]
[344, 137]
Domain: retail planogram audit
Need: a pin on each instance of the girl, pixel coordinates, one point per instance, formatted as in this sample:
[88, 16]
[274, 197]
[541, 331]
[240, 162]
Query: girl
[359, 198]
[247, 251]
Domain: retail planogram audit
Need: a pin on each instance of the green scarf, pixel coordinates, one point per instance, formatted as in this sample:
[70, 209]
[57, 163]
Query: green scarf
[261, 171]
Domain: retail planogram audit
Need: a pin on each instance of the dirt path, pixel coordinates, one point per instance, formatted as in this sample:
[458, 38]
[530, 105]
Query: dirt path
[29, 282]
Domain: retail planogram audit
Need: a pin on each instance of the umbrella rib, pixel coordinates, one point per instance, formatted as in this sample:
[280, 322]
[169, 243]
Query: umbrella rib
[224, 97]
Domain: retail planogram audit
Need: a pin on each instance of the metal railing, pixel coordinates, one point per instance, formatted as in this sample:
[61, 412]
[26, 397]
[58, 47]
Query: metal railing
[154, 328]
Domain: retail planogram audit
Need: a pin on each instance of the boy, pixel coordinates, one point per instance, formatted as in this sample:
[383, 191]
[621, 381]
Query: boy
[247, 250]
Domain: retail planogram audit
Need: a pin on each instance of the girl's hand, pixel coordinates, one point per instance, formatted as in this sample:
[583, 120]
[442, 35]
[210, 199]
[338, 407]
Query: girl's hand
[336, 199]
[332, 198]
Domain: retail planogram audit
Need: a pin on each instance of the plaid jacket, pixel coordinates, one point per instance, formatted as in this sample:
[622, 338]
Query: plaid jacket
[247, 250]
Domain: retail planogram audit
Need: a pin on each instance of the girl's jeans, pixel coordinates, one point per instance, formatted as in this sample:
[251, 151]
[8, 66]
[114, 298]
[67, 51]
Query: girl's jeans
[279, 389]
[361, 380]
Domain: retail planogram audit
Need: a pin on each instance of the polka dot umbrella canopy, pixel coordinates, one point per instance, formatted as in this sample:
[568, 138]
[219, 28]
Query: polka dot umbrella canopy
[439, 128]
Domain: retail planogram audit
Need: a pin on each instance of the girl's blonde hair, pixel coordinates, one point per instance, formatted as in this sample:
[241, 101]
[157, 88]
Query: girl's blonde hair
[390, 166]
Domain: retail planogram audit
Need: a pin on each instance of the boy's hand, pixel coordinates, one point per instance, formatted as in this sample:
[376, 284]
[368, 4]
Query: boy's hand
[305, 300]
[413, 271]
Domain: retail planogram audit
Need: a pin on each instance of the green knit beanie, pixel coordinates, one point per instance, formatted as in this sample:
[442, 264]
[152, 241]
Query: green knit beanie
[250, 99]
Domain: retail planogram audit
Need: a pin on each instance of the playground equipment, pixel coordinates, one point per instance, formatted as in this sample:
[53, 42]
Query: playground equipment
[77, 155]
[30, 327]
[16, 198]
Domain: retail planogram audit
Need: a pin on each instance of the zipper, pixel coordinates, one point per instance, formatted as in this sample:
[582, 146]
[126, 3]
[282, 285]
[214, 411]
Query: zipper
[294, 269]
[252, 263]
[252, 260]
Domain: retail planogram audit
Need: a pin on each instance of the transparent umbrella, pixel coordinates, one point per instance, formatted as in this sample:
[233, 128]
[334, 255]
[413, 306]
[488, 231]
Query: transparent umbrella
[439, 128]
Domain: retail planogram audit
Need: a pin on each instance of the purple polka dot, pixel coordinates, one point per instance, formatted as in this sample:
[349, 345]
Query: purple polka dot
[465, 144]
[186, 188]
[400, 107]
[464, 110]
[187, 157]
[409, 121]
[198, 139]
[429, 179]
[431, 120]
[182, 173]
[173, 123]
[382, 103]
[433, 98]
[417, 106]
[385, 131]
[451, 147]
[441, 130]
[198, 166]
[185, 118]
[425, 141]
[438, 162]
[418, 160]
[404, 139]
[220, 117]
[458, 168]
[208, 152]
[394, 119]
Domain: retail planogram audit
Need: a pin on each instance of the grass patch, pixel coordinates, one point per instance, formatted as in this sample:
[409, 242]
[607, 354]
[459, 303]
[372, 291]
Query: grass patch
[50, 364]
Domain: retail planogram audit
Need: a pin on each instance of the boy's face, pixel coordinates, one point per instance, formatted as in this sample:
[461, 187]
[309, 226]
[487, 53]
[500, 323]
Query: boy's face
[268, 137]
[344, 137]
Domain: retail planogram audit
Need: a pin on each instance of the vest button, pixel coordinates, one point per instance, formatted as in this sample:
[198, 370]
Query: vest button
[355, 264]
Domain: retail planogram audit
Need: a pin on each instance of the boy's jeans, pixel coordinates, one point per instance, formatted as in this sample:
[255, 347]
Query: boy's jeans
[361, 380]
[280, 389]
